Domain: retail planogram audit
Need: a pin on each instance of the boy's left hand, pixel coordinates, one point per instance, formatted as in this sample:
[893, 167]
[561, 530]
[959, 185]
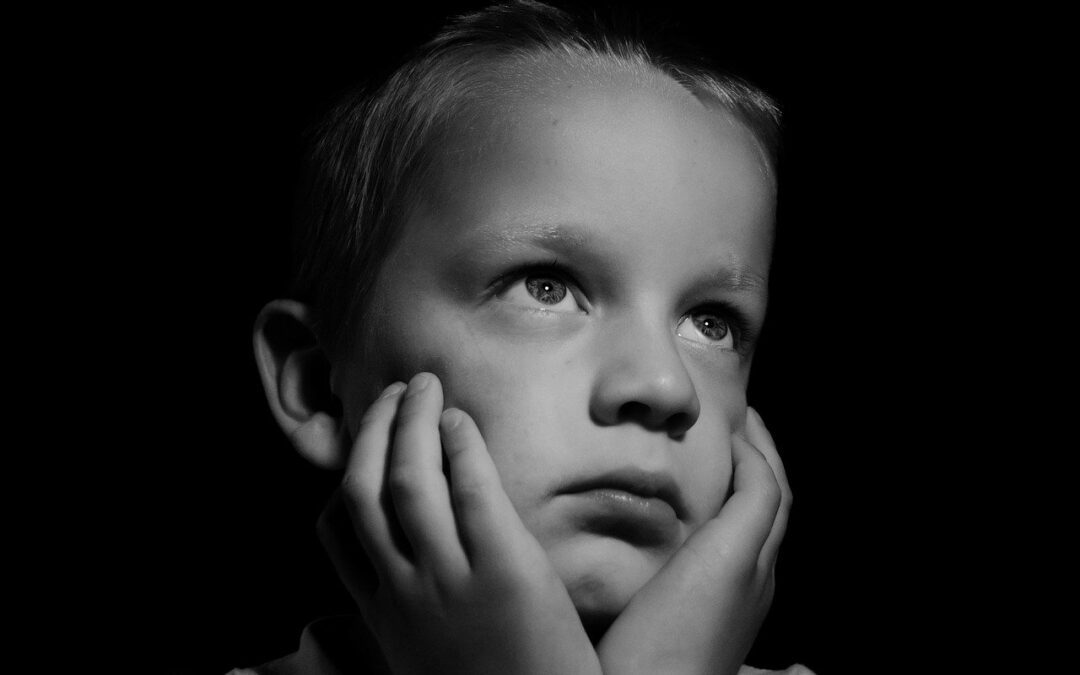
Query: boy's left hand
[702, 611]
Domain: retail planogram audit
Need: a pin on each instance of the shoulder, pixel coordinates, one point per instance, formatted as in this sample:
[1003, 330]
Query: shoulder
[328, 646]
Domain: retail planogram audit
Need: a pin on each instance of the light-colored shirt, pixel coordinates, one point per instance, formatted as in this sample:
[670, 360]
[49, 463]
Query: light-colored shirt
[341, 645]
[335, 645]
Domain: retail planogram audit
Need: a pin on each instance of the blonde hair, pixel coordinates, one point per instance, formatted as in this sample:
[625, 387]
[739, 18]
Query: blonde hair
[370, 153]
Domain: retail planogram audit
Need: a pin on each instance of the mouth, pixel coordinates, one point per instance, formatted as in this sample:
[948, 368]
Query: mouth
[640, 507]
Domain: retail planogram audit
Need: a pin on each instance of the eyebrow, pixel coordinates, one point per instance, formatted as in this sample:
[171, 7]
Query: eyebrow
[737, 277]
[562, 240]
[557, 237]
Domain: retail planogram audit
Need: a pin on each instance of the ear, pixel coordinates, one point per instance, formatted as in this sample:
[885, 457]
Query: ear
[295, 373]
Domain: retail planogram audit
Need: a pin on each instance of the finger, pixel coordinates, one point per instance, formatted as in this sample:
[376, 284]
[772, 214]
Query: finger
[417, 483]
[347, 554]
[363, 486]
[761, 439]
[741, 528]
[486, 518]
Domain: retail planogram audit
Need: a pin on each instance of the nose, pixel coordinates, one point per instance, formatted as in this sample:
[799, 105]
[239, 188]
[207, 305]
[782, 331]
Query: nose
[642, 379]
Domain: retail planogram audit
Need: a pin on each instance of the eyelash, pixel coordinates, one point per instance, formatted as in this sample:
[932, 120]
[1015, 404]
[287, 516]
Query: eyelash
[552, 268]
[738, 322]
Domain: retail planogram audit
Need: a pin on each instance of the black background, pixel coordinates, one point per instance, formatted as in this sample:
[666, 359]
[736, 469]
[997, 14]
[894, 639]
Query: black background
[218, 512]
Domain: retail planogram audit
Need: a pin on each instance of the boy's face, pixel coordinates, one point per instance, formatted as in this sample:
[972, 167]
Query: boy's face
[578, 284]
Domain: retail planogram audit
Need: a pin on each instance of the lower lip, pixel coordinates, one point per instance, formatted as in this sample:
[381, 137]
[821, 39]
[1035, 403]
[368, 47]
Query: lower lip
[625, 515]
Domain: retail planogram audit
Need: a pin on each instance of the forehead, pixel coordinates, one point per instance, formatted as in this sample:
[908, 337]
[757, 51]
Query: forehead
[613, 153]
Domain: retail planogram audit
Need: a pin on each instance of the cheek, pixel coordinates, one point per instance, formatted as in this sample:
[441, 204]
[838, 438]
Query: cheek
[530, 407]
[515, 390]
[518, 398]
[492, 377]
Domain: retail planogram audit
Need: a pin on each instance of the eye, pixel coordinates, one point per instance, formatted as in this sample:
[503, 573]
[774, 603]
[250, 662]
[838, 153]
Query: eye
[543, 291]
[707, 326]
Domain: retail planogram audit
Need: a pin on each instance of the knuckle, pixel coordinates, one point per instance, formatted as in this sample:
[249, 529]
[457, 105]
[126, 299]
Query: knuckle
[785, 503]
[470, 496]
[403, 483]
[449, 587]
[358, 496]
[352, 487]
[771, 496]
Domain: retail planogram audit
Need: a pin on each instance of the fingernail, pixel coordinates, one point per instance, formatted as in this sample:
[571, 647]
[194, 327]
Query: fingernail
[393, 390]
[451, 418]
[419, 383]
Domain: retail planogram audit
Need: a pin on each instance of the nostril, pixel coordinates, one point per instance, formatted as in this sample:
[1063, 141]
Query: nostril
[632, 411]
[679, 423]
[676, 424]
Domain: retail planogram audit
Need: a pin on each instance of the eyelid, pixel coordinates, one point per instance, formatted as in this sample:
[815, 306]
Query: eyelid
[551, 268]
[743, 333]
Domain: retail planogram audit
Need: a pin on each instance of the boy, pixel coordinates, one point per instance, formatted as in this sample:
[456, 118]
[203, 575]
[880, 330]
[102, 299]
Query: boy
[532, 278]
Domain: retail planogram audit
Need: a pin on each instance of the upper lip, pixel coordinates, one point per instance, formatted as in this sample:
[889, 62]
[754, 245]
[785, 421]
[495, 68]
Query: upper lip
[647, 484]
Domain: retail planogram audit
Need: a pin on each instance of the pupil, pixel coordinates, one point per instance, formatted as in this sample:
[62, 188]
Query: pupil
[547, 291]
[712, 327]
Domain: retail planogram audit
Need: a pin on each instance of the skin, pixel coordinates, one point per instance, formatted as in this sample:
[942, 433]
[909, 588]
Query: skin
[580, 299]
[664, 194]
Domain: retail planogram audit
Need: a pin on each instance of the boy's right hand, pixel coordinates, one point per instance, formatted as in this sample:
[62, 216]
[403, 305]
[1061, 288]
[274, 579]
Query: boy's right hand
[452, 581]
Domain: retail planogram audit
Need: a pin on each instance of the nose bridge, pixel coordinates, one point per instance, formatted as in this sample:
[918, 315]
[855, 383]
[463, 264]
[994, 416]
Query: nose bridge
[642, 376]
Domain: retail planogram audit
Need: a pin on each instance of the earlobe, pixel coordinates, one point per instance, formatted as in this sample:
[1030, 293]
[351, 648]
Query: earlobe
[295, 373]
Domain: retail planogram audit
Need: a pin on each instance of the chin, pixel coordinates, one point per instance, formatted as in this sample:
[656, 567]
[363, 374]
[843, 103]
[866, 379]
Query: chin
[602, 574]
